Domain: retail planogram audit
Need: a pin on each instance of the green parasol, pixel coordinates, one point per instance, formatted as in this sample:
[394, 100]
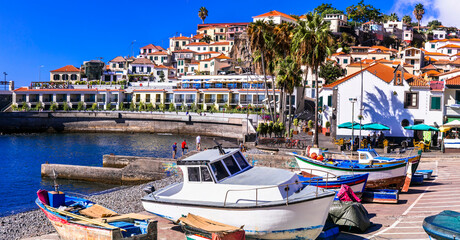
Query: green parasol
[375, 126]
[421, 127]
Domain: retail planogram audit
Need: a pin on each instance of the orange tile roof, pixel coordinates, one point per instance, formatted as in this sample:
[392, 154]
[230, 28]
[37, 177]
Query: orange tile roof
[142, 61]
[340, 54]
[68, 68]
[151, 46]
[184, 51]
[222, 56]
[118, 59]
[26, 89]
[197, 44]
[430, 67]
[384, 48]
[435, 54]
[148, 90]
[431, 73]
[430, 59]
[450, 46]
[158, 53]
[455, 81]
[210, 52]
[220, 43]
[384, 72]
[198, 36]
[180, 38]
[275, 13]
[186, 90]
[450, 72]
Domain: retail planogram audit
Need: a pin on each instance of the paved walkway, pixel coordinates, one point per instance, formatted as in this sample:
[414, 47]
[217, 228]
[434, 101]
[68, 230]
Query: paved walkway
[404, 220]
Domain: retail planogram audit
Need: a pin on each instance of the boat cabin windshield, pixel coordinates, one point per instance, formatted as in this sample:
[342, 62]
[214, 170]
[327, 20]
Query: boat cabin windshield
[229, 166]
[367, 155]
[216, 170]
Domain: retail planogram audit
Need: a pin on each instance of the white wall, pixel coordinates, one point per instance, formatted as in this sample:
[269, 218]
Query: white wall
[381, 105]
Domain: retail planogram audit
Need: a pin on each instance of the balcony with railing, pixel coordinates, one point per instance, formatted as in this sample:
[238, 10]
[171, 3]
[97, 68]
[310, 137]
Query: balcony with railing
[210, 100]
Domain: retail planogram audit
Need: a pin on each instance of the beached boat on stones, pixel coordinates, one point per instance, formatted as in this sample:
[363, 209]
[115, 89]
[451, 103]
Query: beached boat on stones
[77, 218]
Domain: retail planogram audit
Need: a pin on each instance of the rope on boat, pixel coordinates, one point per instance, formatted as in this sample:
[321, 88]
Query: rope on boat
[85, 219]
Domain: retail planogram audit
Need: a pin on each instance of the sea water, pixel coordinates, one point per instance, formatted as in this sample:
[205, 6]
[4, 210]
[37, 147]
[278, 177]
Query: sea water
[21, 156]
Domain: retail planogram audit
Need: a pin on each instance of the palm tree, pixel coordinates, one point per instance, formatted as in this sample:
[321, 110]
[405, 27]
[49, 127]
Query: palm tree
[257, 32]
[206, 39]
[407, 19]
[288, 76]
[203, 13]
[393, 17]
[418, 13]
[312, 42]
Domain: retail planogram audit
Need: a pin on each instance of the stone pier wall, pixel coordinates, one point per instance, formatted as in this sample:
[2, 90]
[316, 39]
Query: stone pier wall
[123, 122]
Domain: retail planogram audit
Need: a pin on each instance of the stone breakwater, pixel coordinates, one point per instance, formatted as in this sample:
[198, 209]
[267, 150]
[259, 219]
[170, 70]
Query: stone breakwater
[123, 200]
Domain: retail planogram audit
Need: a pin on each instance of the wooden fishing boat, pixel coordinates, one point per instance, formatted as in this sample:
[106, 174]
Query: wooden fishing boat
[221, 185]
[78, 218]
[443, 226]
[356, 182]
[386, 176]
[199, 228]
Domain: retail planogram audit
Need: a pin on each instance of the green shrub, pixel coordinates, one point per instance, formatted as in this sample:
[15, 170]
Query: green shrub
[149, 107]
[212, 108]
[80, 106]
[171, 107]
[53, 106]
[132, 106]
[328, 124]
[162, 107]
[108, 106]
[14, 107]
[25, 106]
[94, 107]
[296, 122]
[193, 107]
[184, 107]
[121, 107]
[39, 106]
[310, 124]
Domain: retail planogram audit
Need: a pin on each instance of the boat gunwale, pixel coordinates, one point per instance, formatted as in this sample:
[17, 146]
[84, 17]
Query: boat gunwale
[330, 166]
[326, 193]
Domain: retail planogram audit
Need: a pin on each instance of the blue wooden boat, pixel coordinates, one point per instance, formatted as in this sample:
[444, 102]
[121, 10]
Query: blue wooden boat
[78, 218]
[443, 226]
[381, 196]
[356, 182]
[426, 173]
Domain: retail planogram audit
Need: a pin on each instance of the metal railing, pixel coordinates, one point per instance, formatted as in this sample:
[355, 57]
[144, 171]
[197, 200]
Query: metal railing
[286, 185]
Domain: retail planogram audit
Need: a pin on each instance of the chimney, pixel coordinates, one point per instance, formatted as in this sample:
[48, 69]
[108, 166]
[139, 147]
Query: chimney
[180, 35]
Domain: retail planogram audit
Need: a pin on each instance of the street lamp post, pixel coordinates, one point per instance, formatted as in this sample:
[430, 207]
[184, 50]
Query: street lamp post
[352, 100]
[361, 108]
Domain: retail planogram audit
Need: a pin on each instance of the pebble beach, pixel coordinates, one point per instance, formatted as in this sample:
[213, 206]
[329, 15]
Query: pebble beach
[122, 200]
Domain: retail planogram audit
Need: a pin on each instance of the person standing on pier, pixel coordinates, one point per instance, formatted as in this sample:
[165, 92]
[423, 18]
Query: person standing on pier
[174, 150]
[184, 147]
[198, 143]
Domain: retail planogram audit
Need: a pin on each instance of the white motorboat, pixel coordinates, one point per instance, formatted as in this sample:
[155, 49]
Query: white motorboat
[221, 185]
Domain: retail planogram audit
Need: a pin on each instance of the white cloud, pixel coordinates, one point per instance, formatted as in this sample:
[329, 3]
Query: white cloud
[444, 10]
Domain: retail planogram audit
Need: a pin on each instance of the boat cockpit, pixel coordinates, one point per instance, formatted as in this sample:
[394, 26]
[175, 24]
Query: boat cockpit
[211, 166]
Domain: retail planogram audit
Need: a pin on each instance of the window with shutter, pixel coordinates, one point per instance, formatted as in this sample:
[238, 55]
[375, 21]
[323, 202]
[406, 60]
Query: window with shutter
[435, 103]
[329, 100]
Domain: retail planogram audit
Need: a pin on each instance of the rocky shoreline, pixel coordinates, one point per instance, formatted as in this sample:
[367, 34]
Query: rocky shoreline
[123, 200]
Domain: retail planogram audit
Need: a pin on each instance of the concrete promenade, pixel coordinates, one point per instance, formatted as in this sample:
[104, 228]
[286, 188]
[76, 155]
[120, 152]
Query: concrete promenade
[391, 221]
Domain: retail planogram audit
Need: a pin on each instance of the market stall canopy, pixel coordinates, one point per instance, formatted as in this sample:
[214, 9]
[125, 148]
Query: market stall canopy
[444, 129]
[349, 125]
[453, 124]
[375, 126]
[421, 127]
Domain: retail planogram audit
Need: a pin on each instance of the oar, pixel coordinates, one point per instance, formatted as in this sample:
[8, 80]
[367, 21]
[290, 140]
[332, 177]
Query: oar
[85, 219]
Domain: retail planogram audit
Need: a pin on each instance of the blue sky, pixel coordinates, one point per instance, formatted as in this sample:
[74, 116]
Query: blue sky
[59, 33]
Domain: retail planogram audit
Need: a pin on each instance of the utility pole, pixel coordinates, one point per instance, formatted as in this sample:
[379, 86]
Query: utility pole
[4, 73]
[39, 72]
[361, 104]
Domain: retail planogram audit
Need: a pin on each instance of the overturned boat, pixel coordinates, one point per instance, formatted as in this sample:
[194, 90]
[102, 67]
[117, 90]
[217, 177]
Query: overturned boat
[221, 185]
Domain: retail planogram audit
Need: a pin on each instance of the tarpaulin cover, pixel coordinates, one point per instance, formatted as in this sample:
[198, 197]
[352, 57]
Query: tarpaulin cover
[352, 214]
[444, 225]
[346, 194]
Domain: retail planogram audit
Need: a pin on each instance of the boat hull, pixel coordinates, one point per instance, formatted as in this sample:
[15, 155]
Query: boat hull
[292, 221]
[382, 177]
[357, 183]
[72, 231]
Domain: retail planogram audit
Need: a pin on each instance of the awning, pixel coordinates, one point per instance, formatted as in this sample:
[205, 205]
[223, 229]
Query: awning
[421, 127]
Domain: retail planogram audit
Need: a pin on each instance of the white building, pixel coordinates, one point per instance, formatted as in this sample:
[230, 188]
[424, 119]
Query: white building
[413, 56]
[275, 16]
[198, 47]
[178, 43]
[439, 34]
[336, 21]
[392, 97]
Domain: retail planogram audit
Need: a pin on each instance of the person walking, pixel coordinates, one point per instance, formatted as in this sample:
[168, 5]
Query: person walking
[198, 143]
[184, 147]
[174, 150]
